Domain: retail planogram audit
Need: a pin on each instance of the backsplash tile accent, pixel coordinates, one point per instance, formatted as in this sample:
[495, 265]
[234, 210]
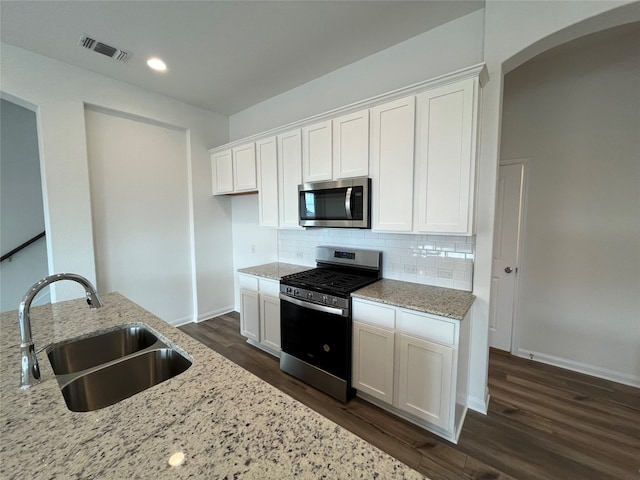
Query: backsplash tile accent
[442, 261]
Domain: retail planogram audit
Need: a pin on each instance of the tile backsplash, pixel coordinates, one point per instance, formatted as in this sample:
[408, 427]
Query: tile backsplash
[444, 261]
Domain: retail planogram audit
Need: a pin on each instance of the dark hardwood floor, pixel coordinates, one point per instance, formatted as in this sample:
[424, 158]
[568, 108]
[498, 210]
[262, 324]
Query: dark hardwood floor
[543, 422]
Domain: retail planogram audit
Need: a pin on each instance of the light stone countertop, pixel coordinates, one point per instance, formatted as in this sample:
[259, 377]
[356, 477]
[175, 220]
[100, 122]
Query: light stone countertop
[228, 423]
[274, 271]
[445, 302]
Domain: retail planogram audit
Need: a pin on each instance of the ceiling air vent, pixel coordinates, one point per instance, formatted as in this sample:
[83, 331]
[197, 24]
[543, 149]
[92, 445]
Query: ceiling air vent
[92, 44]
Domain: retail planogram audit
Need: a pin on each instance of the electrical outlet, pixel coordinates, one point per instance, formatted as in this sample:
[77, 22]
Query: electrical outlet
[410, 269]
[298, 254]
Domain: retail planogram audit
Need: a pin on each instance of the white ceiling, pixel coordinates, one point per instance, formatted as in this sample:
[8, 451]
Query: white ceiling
[222, 55]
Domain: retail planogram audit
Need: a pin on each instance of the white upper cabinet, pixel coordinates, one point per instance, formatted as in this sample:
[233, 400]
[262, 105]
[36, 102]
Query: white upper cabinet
[420, 152]
[234, 170]
[222, 172]
[316, 152]
[244, 168]
[289, 177]
[267, 160]
[351, 145]
[391, 162]
[446, 158]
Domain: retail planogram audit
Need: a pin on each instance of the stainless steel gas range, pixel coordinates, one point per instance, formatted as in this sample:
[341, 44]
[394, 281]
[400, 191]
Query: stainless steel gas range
[315, 317]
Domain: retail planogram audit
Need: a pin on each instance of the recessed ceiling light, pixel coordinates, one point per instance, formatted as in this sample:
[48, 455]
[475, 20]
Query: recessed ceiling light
[157, 64]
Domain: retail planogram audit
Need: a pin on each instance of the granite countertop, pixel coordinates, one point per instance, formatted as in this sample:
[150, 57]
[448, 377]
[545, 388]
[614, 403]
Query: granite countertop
[445, 302]
[274, 271]
[227, 422]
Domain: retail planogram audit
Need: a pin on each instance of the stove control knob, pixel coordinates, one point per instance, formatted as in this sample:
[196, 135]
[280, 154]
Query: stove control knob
[334, 300]
[289, 289]
[296, 292]
[324, 298]
[309, 295]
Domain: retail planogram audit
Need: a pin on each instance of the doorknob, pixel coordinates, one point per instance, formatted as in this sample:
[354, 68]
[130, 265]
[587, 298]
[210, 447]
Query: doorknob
[508, 269]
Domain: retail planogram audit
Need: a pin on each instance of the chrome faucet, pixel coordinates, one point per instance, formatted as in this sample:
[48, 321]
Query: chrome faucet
[30, 368]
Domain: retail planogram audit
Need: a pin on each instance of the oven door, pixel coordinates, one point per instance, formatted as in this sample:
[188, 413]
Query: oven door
[317, 335]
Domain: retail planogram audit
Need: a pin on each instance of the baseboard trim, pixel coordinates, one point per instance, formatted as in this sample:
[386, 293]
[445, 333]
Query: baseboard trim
[478, 404]
[594, 371]
[203, 316]
[215, 313]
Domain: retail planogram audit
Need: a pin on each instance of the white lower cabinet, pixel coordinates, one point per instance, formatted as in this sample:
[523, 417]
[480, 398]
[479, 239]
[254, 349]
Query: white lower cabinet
[412, 364]
[260, 312]
[424, 382]
[373, 351]
[249, 314]
[270, 321]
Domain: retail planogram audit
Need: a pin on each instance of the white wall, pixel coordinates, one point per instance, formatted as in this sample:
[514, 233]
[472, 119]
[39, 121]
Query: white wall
[447, 48]
[140, 211]
[514, 33]
[22, 214]
[252, 245]
[60, 92]
[576, 116]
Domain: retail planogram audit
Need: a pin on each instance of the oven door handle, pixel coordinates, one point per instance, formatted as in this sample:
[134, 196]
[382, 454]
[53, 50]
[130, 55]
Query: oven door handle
[313, 306]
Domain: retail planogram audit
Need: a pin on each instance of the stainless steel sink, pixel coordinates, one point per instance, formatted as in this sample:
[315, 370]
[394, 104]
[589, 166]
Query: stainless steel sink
[102, 369]
[105, 386]
[80, 354]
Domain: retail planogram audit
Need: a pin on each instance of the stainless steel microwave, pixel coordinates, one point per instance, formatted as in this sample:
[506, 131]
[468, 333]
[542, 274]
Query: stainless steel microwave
[341, 203]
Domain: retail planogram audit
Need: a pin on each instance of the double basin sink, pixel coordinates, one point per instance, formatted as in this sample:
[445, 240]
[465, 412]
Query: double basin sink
[106, 367]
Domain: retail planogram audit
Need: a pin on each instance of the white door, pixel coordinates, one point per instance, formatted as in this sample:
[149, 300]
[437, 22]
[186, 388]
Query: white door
[506, 249]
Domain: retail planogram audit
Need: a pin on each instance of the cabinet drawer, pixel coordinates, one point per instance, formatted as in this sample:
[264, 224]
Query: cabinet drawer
[248, 282]
[428, 327]
[377, 314]
[269, 287]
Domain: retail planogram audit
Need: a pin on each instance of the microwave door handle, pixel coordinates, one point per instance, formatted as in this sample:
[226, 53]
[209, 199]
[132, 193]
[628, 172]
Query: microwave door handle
[347, 203]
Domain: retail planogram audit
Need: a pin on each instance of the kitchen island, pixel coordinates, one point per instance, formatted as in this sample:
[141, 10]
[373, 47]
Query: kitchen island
[227, 422]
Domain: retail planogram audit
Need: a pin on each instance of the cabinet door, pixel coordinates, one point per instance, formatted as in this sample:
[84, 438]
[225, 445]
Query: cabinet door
[244, 168]
[373, 352]
[392, 147]
[424, 383]
[249, 315]
[351, 145]
[222, 172]
[446, 158]
[267, 159]
[290, 176]
[316, 152]
[270, 321]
